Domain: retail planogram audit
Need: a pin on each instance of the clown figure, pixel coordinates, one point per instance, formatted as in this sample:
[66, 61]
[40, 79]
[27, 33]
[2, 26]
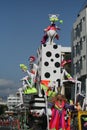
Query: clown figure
[58, 120]
[51, 31]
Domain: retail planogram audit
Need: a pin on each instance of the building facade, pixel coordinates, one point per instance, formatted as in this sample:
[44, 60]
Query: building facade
[79, 48]
[13, 101]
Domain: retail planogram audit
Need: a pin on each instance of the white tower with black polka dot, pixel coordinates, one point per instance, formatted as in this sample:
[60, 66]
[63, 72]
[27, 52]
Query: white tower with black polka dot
[49, 60]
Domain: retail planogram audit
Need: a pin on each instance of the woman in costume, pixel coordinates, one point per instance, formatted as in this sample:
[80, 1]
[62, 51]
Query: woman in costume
[60, 119]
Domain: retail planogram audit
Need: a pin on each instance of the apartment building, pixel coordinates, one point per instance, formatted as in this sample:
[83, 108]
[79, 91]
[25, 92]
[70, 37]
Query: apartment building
[13, 101]
[79, 48]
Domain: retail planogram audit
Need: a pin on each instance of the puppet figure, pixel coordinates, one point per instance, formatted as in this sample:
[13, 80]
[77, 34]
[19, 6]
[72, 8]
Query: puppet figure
[28, 81]
[51, 31]
[58, 120]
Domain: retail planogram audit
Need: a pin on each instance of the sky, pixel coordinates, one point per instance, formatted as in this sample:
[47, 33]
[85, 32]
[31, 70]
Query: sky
[21, 30]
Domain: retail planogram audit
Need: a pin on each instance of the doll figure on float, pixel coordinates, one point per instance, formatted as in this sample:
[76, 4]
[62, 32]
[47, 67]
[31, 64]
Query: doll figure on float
[28, 81]
[60, 120]
[51, 30]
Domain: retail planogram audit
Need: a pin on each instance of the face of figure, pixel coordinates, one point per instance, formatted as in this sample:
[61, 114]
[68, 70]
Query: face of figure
[60, 104]
[31, 58]
[60, 101]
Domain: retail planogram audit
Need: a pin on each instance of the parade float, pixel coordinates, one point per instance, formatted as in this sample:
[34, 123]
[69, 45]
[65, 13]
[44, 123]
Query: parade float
[43, 84]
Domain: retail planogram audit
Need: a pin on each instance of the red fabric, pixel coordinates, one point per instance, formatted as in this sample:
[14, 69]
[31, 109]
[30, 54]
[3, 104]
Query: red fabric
[31, 58]
[59, 122]
[54, 122]
[65, 62]
[52, 27]
[45, 82]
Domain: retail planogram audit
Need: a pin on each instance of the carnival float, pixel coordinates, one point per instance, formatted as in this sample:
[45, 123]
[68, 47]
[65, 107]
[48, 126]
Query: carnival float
[48, 107]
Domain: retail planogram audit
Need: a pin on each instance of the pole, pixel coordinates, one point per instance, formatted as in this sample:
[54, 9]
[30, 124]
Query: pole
[47, 111]
[75, 90]
[86, 95]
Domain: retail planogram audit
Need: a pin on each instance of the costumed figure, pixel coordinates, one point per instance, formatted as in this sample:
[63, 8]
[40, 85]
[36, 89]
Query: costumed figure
[51, 31]
[59, 119]
[28, 81]
[48, 87]
[31, 64]
[34, 70]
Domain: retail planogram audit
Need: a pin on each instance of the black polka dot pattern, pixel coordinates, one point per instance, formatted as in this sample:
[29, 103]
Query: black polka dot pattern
[47, 75]
[46, 63]
[52, 60]
[55, 46]
[57, 55]
[57, 64]
[54, 71]
[44, 45]
[49, 58]
[48, 54]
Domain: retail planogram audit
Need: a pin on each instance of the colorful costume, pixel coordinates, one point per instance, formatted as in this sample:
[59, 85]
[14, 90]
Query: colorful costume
[51, 27]
[58, 120]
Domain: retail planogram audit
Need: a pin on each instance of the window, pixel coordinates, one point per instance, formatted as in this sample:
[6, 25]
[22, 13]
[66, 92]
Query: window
[83, 39]
[83, 19]
[81, 44]
[77, 49]
[81, 63]
[80, 26]
[74, 69]
[77, 67]
[77, 31]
